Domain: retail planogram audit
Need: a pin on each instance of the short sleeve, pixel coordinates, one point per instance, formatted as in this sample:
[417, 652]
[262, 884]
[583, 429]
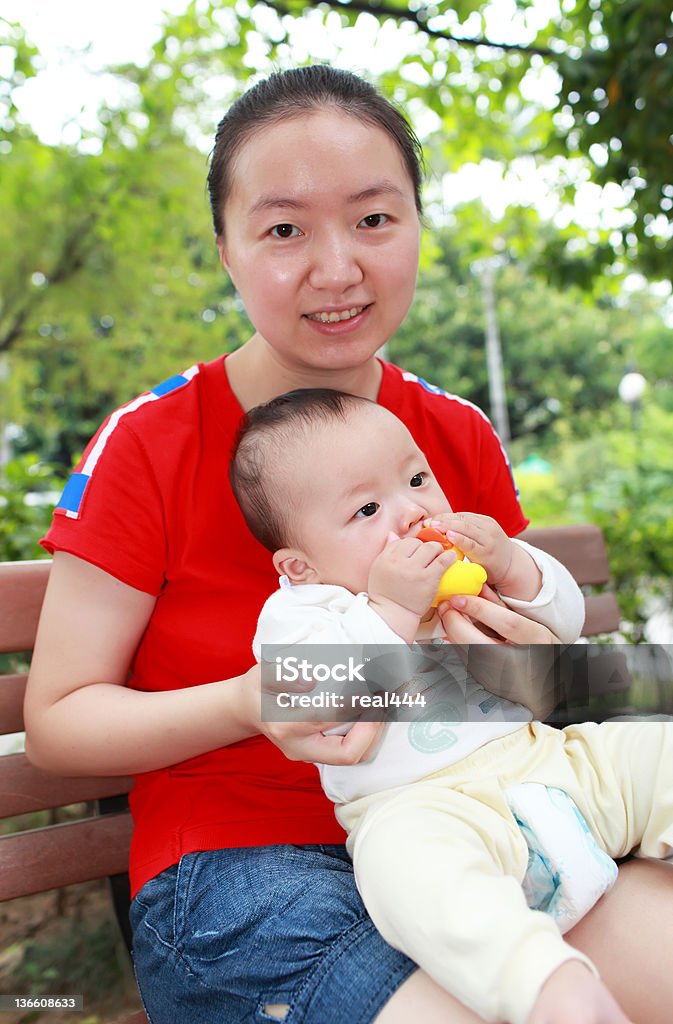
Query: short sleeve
[111, 512]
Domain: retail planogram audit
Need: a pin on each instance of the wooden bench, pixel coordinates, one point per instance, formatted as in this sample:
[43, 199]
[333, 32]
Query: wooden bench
[62, 854]
[95, 847]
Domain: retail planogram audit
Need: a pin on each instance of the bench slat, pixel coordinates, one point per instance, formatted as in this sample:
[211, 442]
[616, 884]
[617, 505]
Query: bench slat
[22, 587]
[49, 858]
[580, 547]
[25, 788]
[12, 690]
[602, 614]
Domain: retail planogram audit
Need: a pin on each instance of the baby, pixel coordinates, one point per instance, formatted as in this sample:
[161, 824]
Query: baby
[336, 487]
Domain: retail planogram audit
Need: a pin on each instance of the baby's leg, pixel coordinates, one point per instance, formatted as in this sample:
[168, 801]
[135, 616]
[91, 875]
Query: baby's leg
[624, 784]
[440, 875]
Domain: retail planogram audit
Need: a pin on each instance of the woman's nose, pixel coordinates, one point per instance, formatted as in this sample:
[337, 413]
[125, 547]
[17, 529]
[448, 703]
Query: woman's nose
[334, 265]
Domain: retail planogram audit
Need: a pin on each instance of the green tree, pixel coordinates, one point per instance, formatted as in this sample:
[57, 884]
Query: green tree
[564, 350]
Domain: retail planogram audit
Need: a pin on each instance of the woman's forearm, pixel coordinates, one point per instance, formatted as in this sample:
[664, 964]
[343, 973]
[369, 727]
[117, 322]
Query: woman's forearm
[108, 729]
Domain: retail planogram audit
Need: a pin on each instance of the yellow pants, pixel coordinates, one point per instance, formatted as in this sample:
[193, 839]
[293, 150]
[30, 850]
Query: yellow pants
[439, 862]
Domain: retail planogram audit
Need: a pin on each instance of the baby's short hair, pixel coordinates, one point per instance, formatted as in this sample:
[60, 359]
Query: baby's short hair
[263, 434]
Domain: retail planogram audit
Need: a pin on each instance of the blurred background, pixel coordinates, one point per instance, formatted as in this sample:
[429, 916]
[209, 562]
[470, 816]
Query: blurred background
[544, 295]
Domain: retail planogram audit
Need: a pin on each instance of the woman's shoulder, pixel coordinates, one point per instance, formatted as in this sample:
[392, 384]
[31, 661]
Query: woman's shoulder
[177, 412]
[185, 397]
[416, 400]
[153, 440]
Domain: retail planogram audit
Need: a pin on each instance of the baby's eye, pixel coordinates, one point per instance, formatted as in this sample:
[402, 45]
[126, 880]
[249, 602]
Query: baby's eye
[417, 480]
[370, 509]
[285, 231]
[374, 220]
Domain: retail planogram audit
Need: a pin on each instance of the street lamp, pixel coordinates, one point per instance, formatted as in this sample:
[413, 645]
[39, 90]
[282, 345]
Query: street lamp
[631, 389]
[485, 270]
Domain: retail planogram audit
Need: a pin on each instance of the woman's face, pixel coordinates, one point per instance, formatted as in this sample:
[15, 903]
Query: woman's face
[322, 238]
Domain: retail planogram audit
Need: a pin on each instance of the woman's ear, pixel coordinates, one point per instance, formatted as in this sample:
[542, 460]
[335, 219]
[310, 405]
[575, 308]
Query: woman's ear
[222, 250]
[292, 563]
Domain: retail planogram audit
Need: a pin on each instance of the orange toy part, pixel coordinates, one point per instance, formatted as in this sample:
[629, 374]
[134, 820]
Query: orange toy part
[460, 578]
[428, 533]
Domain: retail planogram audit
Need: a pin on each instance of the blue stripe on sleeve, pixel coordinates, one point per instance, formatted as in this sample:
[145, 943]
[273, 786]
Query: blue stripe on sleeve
[169, 385]
[73, 492]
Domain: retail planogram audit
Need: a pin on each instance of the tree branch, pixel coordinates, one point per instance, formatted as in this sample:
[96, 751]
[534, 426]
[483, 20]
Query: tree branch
[71, 260]
[416, 18]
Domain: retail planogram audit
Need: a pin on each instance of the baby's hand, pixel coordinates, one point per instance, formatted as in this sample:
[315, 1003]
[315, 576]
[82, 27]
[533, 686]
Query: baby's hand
[573, 993]
[510, 569]
[403, 581]
[480, 538]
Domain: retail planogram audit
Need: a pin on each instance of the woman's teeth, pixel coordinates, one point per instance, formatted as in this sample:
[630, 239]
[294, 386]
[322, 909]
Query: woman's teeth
[334, 317]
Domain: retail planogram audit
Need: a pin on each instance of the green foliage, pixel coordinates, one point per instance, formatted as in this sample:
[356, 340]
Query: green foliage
[129, 288]
[22, 54]
[617, 100]
[564, 352]
[621, 480]
[28, 492]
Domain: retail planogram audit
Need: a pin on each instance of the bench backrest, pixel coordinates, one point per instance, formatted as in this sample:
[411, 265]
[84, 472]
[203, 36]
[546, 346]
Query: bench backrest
[90, 845]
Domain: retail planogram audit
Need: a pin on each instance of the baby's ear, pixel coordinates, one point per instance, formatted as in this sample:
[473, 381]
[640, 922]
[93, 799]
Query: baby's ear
[292, 563]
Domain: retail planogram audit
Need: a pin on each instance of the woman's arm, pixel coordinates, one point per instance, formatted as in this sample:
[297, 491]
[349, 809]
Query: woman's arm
[81, 718]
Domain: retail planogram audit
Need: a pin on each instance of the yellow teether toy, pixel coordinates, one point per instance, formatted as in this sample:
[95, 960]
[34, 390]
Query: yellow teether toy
[460, 578]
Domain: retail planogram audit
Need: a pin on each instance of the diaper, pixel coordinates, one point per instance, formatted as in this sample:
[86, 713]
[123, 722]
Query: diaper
[567, 870]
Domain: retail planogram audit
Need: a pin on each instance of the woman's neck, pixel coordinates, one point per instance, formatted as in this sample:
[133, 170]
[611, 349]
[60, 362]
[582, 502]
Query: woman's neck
[257, 374]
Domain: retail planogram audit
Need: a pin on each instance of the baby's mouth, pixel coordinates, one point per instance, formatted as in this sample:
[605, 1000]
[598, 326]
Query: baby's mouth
[335, 317]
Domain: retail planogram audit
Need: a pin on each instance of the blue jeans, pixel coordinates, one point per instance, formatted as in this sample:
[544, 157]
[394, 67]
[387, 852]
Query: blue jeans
[226, 933]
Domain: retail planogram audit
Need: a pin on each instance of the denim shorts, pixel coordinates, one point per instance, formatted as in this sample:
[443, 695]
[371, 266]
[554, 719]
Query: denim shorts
[226, 933]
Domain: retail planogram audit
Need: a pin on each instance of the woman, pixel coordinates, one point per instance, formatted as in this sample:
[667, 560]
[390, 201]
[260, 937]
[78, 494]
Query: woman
[245, 907]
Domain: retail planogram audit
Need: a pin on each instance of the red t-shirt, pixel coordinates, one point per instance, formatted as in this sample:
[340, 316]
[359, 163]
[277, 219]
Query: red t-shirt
[150, 503]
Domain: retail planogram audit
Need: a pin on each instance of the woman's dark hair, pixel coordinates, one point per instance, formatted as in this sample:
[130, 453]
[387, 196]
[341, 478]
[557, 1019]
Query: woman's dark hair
[291, 93]
[263, 436]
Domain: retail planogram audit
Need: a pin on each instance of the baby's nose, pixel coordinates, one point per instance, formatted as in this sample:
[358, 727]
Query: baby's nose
[412, 517]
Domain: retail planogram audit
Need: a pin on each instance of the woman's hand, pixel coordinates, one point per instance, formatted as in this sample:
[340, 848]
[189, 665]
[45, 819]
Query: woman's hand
[487, 620]
[309, 741]
[301, 740]
[511, 655]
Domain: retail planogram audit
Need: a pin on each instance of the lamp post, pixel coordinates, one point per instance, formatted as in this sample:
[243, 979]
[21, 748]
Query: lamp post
[485, 270]
[631, 389]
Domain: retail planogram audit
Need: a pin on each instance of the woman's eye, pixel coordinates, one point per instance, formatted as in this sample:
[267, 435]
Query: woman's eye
[374, 220]
[370, 509]
[285, 231]
[417, 480]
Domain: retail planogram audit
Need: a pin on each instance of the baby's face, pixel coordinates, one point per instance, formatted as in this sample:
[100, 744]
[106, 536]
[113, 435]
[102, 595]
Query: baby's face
[351, 484]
